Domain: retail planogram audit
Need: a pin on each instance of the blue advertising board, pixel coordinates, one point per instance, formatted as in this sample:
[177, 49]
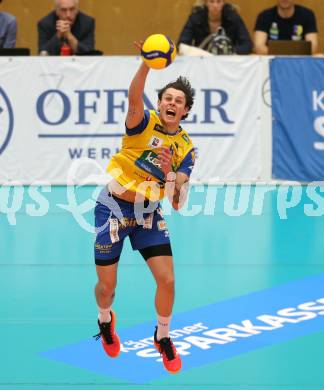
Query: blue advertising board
[297, 88]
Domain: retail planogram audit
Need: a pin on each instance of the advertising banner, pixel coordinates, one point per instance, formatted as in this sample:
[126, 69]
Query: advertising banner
[297, 87]
[56, 112]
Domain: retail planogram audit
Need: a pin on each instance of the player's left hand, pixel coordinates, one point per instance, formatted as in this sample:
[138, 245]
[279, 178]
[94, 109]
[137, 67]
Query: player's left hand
[165, 159]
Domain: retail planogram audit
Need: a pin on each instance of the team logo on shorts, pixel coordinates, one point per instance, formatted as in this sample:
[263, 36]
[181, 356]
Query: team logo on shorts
[162, 225]
[103, 248]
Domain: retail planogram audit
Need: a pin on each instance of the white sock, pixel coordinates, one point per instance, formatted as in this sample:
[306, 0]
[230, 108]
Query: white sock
[104, 314]
[163, 327]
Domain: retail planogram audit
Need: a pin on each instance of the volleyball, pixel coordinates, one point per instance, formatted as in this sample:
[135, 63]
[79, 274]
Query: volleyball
[158, 51]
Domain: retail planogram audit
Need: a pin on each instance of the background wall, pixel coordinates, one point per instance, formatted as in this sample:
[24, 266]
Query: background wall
[120, 22]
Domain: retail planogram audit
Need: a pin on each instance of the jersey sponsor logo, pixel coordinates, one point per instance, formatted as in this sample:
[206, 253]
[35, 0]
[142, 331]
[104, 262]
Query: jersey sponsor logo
[186, 138]
[149, 163]
[155, 142]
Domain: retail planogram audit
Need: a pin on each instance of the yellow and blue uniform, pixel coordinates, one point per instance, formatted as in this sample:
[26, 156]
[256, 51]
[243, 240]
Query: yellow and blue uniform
[137, 161]
[136, 167]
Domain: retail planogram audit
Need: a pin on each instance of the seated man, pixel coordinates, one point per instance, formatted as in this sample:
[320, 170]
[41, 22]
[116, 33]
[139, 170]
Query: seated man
[8, 30]
[286, 21]
[66, 24]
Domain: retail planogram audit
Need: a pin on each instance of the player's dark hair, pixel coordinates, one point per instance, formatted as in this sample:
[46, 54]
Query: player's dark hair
[181, 84]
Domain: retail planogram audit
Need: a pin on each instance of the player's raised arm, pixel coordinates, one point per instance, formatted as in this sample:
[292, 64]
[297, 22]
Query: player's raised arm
[135, 95]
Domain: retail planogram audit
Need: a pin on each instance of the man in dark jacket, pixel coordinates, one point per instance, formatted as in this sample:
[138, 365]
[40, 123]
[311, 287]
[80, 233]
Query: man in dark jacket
[66, 24]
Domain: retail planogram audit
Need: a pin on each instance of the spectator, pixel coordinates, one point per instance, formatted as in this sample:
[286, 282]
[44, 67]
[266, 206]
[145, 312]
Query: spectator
[207, 17]
[66, 24]
[8, 30]
[286, 21]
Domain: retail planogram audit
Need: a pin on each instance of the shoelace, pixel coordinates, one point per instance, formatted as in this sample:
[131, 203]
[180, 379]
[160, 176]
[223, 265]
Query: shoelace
[167, 347]
[106, 332]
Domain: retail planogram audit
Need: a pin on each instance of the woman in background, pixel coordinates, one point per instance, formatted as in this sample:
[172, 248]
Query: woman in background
[207, 17]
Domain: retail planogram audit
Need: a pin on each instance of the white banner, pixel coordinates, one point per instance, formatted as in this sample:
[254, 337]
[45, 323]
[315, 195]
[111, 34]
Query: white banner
[54, 111]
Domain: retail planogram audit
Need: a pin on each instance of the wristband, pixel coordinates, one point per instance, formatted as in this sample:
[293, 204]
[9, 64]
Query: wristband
[171, 177]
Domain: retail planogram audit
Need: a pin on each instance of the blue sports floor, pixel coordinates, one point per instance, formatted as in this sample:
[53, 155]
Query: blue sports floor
[249, 311]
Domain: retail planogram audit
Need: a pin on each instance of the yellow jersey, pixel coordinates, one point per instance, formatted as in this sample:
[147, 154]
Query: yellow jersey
[136, 167]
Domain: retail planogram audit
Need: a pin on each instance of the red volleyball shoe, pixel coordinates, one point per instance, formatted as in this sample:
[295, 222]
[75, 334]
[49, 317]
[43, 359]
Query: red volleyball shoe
[171, 359]
[109, 338]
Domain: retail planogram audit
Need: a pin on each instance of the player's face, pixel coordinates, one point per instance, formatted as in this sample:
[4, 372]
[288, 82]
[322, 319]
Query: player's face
[285, 4]
[172, 107]
[67, 10]
[215, 7]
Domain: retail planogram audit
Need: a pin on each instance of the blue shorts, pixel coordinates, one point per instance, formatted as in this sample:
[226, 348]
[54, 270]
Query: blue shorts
[115, 219]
